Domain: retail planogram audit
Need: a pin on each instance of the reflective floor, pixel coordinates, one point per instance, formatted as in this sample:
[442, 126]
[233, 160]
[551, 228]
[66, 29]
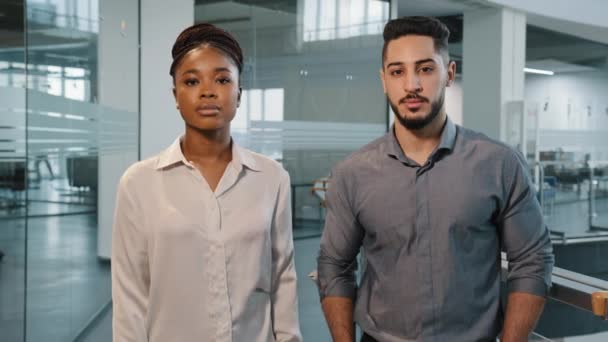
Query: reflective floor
[68, 284]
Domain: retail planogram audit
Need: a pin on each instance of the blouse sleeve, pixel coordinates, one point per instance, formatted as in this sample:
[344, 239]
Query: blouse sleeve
[130, 276]
[284, 289]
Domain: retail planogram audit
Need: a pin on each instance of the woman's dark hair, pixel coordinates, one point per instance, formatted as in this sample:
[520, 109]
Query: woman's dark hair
[422, 26]
[204, 34]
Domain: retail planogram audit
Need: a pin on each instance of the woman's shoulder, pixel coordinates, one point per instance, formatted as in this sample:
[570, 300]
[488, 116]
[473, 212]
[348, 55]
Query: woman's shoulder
[139, 172]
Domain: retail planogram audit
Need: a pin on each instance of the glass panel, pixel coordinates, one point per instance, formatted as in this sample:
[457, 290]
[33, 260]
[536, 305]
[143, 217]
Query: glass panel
[82, 132]
[302, 102]
[13, 224]
[567, 140]
[311, 96]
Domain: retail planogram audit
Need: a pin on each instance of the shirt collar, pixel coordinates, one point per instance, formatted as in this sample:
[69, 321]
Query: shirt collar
[174, 155]
[243, 157]
[448, 136]
[447, 141]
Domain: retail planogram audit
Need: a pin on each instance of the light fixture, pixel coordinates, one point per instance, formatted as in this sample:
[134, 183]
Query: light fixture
[539, 71]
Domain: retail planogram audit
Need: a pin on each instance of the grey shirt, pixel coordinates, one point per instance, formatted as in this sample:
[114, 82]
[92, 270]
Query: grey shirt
[432, 236]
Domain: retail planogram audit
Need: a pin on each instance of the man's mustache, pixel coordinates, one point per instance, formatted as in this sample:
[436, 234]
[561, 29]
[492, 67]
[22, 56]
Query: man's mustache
[413, 97]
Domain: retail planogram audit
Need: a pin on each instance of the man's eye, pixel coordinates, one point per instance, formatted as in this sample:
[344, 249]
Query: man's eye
[396, 72]
[427, 70]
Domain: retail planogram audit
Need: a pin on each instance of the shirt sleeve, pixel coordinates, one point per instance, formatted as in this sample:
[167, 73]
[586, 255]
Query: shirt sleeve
[130, 277]
[285, 320]
[525, 238]
[340, 242]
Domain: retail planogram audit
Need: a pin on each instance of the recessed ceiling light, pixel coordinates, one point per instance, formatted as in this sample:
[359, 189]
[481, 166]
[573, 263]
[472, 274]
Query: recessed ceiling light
[539, 71]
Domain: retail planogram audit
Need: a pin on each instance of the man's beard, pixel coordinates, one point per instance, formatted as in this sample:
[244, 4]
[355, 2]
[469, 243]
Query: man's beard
[419, 123]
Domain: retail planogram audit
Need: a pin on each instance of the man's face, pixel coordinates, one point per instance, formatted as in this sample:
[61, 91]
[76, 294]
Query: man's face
[414, 77]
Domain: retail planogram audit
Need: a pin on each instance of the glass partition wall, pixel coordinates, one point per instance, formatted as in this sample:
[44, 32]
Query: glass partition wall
[567, 146]
[13, 194]
[312, 93]
[67, 133]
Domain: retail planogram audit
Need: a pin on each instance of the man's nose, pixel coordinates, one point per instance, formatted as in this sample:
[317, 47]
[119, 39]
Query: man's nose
[412, 84]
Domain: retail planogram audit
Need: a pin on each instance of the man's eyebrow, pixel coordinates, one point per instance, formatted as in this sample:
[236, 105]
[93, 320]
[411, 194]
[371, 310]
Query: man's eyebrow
[418, 62]
[394, 64]
[427, 60]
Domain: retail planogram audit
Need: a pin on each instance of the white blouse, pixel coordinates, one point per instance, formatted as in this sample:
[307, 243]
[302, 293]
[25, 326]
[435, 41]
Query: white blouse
[190, 264]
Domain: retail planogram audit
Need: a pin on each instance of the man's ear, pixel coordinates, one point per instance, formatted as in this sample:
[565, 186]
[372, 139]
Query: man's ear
[451, 73]
[382, 80]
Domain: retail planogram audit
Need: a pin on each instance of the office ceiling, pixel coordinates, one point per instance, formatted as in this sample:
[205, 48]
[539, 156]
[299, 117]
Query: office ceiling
[49, 44]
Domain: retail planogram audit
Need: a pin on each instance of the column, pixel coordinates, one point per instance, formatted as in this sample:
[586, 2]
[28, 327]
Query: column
[161, 22]
[494, 43]
[137, 110]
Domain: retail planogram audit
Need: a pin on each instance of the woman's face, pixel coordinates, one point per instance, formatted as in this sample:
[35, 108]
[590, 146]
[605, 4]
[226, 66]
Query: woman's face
[206, 89]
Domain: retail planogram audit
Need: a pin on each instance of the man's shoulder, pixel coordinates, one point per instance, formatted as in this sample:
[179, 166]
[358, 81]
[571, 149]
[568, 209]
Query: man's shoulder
[364, 156]
[481, 143]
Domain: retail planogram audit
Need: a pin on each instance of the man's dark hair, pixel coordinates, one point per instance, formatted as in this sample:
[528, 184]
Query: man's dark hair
[421, 26]
[205, 34]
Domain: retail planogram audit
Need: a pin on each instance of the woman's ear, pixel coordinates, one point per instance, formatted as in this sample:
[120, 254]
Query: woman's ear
[238, 99]
[175, 97]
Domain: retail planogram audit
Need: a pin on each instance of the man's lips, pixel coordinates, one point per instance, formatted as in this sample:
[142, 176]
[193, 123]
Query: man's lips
[413, 103]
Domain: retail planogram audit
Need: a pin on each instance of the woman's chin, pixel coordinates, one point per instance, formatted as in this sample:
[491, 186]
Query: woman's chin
[208, 125]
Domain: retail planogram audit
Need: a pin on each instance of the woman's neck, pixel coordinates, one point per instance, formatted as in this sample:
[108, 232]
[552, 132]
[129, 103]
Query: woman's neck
[198, 145]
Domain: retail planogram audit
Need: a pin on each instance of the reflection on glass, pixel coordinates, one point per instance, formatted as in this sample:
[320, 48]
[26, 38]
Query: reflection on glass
[311, 93]
[52, 150]
[567, 142]
[327, 20]
[254, 104]
[13, 172]
[273, 104]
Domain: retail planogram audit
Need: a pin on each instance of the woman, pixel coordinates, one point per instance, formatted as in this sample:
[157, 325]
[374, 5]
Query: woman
[202, 243]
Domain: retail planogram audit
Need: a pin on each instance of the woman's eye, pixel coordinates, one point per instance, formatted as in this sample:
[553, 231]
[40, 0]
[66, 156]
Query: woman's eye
[191, 82]
[223, 80]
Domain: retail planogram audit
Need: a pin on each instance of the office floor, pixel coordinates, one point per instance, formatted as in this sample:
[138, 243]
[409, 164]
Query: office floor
[311, 318]
[67, 284]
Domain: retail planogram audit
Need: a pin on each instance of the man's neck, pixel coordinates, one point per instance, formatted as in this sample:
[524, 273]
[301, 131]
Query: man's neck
[419, 144]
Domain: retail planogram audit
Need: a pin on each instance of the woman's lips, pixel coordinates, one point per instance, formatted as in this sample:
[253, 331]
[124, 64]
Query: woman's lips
[208, 110]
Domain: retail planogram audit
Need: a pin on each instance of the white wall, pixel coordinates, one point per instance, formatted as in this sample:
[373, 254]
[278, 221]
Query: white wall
[161, 22]
[118, 58]
[119, 88]
[592, 12]
[453, 101]
[576, 115]
[493, 63]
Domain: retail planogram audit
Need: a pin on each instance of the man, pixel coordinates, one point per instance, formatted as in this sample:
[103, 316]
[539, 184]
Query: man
[431, 204]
